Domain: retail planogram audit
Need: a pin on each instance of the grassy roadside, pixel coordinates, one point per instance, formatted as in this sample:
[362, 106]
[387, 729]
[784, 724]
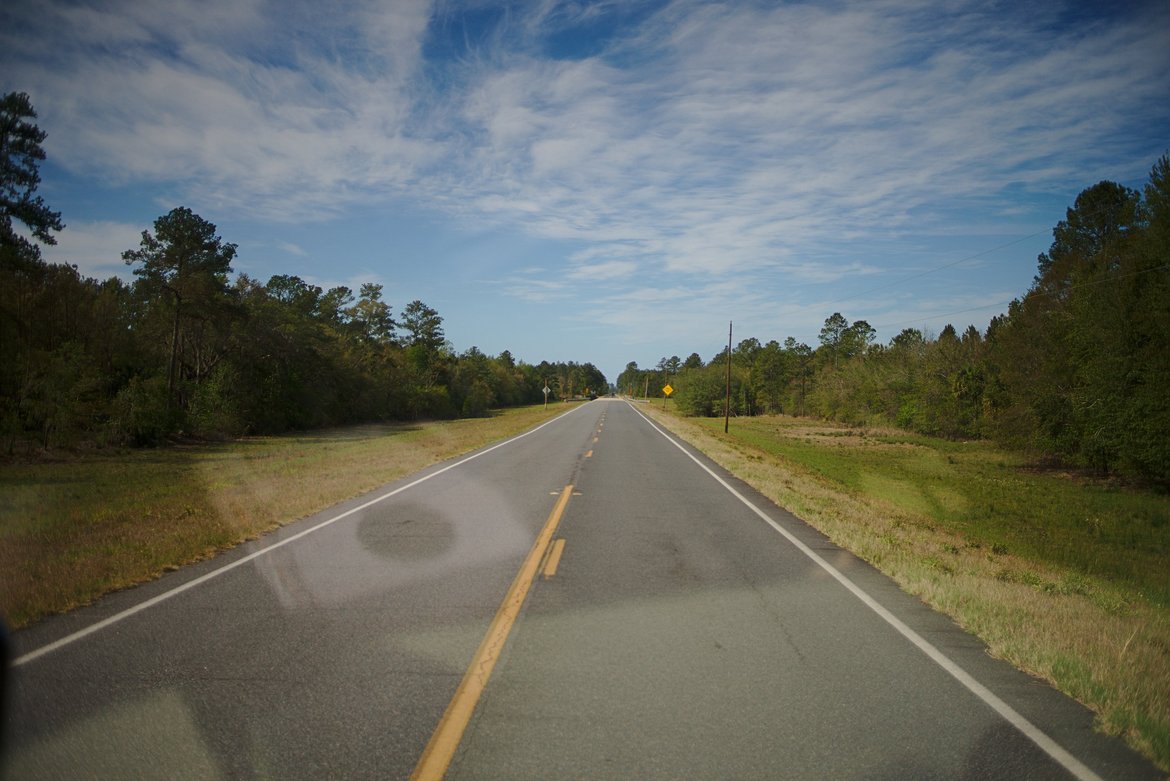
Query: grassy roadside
[74, 529]
[1066, 579]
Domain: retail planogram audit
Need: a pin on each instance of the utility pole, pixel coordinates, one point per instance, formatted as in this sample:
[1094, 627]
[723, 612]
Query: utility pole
[727, 398]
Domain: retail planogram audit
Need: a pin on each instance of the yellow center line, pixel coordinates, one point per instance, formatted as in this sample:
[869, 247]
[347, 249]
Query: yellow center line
[589, 454]
[554, 558]
[440, 749]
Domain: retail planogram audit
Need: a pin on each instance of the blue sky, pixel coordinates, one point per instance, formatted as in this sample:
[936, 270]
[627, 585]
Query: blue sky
[608, 181]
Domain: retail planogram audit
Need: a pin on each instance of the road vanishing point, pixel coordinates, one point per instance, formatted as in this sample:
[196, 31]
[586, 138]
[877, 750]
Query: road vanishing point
[592, 599]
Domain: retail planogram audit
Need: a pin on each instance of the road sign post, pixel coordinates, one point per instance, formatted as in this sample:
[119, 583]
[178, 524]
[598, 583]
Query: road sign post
[666, 391]
[727, 398]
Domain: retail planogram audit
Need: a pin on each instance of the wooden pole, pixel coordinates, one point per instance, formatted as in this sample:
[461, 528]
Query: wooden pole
[727, 398]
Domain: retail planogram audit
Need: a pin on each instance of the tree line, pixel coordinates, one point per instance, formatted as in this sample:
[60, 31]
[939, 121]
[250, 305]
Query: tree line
[1077, 369]
[185, 349]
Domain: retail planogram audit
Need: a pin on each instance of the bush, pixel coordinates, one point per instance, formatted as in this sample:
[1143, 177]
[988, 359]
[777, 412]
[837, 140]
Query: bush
[478, 400]
[140, 414]
[214, 408]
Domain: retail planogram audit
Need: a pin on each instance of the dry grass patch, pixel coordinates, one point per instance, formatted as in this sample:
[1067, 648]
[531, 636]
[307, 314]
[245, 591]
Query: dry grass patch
[76, 528]
[1095, 623]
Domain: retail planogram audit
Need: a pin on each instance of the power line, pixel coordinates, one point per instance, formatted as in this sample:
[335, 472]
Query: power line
[1090, 214]
[940, 268]
[1165, 267]
[943, 314]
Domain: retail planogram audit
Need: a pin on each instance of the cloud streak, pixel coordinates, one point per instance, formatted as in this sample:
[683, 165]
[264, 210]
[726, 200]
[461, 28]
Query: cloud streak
[96, 247]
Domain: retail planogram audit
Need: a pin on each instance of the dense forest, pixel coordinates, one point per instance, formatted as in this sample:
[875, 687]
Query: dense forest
[186, 350]
[1077, 370]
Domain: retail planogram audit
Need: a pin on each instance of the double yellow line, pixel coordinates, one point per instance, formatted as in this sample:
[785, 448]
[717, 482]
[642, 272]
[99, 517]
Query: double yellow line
[440, 750]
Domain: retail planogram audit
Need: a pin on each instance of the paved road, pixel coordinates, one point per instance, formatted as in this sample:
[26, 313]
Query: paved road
[691, 630]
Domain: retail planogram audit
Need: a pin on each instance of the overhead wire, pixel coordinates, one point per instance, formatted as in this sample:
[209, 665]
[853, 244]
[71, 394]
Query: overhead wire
[940, 268]
[1100, 210]
[1164, 267]
[950, 264]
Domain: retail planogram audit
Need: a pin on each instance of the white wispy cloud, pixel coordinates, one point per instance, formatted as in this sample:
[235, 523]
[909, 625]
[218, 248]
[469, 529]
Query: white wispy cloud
[608, 270]
[95, 247]
[293, 249]
[755, 138]
[737, 142]
[314, 121]
[533, 287]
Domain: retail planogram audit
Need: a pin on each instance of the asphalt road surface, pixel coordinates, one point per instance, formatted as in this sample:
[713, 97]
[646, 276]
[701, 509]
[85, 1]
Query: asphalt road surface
[589, 600]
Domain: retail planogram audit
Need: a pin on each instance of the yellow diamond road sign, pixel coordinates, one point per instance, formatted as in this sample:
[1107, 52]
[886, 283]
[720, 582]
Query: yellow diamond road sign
[668, 390]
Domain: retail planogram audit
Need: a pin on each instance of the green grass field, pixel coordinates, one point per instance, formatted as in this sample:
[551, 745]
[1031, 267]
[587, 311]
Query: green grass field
[1067, 578]
[1092, 529]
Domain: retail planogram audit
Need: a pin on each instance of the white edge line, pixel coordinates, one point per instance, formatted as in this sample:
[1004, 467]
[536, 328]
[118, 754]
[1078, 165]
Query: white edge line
[111, 620]
[1030, 730]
